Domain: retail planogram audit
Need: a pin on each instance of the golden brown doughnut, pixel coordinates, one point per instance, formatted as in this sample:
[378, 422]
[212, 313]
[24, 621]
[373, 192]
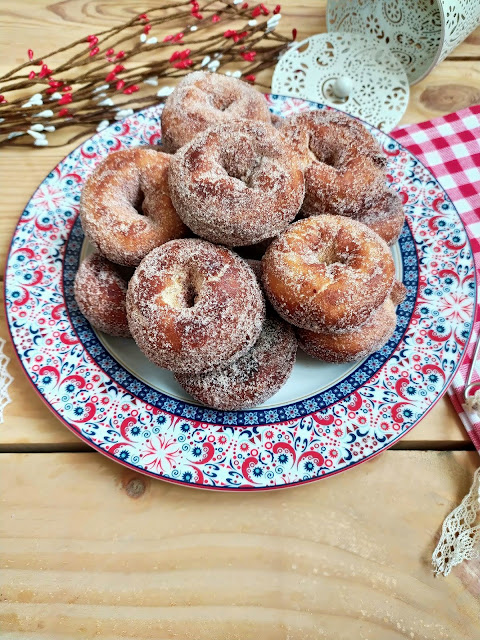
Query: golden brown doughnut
[236, 184]
[126, 209]
[193, 306]
[386, 217]
[252, 378]
[100, 290]
[327, 273]
[352, 345]
[201, 100]
[344, 165]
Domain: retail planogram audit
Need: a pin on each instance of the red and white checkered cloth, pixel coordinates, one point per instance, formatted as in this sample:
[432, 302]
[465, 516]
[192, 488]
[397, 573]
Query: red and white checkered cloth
[450, 147]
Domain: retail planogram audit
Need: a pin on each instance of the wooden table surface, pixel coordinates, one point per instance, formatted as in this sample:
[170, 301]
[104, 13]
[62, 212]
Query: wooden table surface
[90, 549]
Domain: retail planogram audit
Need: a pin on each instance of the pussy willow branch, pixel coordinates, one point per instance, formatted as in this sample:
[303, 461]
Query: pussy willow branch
[83, 87]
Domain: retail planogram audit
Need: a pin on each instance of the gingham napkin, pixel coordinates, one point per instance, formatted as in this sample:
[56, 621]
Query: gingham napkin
[450, 147]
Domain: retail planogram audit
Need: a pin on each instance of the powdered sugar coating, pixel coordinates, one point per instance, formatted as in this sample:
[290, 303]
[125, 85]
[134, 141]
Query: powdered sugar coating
[193, 305]
[202, 99]
[352, 345]
[100, 291]
[126, 208]
[252, 378]
[344, 165]
[236, 184]
[327, 273]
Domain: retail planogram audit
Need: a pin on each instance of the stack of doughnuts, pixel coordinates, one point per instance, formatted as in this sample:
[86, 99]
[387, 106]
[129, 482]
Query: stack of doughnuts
[307, 195]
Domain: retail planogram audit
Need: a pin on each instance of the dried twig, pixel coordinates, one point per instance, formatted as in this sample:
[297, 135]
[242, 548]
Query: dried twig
[108, 75]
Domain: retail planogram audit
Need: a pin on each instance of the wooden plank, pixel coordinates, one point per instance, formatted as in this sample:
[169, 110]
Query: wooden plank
[93, 550]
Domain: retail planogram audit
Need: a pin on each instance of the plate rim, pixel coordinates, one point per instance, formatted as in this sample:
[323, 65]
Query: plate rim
[244, 488]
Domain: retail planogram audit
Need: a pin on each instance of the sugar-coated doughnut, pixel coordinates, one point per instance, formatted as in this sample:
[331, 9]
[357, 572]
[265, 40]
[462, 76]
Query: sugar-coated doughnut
[126, 208]
[352, 345]
[252, 378]
[386, 217]
[236, 184]
[100, 290]
[193, 306]
[201, 100]
[344, 165]
[327, 273]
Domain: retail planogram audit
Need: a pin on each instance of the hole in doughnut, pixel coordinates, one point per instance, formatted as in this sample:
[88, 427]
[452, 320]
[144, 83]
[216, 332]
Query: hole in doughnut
[183, 291]
[323, 154]
[329, 255]
[191, 295]
[222, 102]
[327, 252]
[245, 175]
[138, 202]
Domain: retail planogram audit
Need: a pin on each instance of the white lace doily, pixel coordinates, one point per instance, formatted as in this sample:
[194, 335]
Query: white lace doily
[5, 379]
[379, 85]
[460, 538]
[421, 33]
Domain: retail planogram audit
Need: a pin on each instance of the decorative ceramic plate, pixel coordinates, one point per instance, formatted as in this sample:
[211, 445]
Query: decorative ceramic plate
[326, 419]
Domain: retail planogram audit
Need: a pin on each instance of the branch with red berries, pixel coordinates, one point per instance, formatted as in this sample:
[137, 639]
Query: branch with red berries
[106, 76]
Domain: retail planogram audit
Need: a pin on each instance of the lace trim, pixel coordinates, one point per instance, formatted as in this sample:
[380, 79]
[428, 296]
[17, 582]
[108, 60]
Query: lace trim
[460, 538]
[5, 380]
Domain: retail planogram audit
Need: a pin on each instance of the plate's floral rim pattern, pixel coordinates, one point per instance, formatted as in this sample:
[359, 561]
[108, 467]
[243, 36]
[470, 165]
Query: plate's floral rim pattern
[403, 382]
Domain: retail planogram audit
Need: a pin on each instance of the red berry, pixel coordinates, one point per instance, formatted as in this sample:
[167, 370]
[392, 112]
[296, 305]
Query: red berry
[120, 84]
[143, 16]
[30, 54]
[277, 9]
[215, 18]
[93, 41]
[250, 78]
[175, 56]
[168, 38]
[177, 37]
[94, 51]
[120, 55]
[110, 76]
[118, 68]
[110, 52]
[44, 71]
[294, 34]
[65, 99]
[66, 89]
[183, 64]
[32, 75]
[63, 112]
[147, 28]
[264, 9]
[245, 5]
[256, 12]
